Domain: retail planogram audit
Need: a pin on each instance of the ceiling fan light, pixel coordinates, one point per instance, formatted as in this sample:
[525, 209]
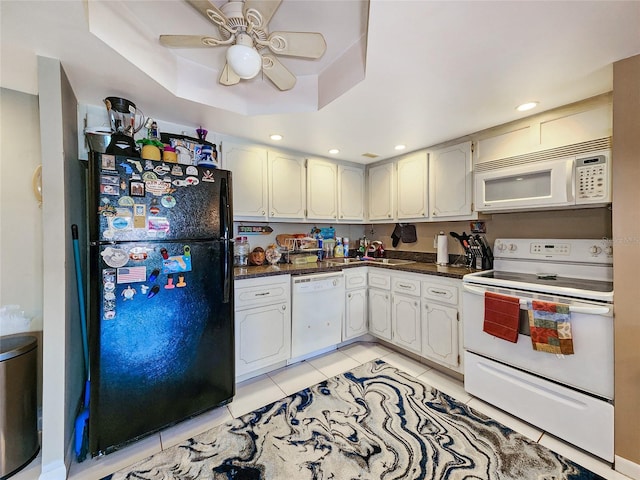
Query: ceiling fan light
[244, 60]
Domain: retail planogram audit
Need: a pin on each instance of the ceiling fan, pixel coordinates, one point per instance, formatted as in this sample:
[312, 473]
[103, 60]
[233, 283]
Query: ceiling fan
[242, 25]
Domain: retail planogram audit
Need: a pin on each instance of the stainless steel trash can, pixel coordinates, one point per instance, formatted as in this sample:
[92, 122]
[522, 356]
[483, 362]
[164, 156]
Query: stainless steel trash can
[18, 403]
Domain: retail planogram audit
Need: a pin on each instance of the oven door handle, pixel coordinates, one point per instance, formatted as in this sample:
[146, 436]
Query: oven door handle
[600, 310]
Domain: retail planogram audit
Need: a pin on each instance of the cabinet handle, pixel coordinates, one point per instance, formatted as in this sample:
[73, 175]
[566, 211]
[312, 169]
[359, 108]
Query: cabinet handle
[284, 307]
[405, 286]
[263, 212]
[349, 295]
[415, 304]
[389, 215]
[438, 292]
[341, 216]
[262, 294]
[434, 213]
[272, 214]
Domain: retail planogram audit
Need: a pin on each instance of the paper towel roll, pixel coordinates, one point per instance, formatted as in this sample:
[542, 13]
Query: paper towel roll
[442, 257]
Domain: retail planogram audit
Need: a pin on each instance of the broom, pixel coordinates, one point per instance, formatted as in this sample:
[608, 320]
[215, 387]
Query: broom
[81, 424]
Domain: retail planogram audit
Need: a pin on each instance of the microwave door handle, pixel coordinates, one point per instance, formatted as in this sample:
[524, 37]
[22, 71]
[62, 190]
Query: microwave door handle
[595, 310]
[571, 181]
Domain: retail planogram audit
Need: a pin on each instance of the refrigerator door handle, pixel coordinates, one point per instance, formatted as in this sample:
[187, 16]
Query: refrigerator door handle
[227, 271]
[225, 209]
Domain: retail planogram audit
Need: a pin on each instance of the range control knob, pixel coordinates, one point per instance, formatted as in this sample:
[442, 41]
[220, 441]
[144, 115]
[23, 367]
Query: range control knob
[513, 247]
[595, 250]
[501, 247]
[608, 250]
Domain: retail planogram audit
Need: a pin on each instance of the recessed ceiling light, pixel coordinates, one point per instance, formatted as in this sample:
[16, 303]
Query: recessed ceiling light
[276, 136]
[526, 106]
[400, 147]
[333, 151]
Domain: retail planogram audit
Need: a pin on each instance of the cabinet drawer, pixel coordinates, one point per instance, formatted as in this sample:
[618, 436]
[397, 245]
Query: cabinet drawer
[440, 292]
[355, 278]
[378, 280]
[406, 286]
[258, 294]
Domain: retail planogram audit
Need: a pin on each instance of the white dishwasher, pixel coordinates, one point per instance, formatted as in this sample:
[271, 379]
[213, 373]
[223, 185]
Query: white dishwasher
[317, 312]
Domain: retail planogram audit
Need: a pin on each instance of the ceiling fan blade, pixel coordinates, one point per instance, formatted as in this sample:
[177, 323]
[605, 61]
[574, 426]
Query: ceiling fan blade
[259, 12]
[208, 10]
[297, 44]
[277, 72]
[228, 76]
[189, 41]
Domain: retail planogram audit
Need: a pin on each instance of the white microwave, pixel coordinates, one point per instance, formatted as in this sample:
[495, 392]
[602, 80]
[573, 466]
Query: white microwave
[578, 180]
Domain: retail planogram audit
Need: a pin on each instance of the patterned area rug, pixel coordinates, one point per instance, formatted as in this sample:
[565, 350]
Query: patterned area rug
[374, 422]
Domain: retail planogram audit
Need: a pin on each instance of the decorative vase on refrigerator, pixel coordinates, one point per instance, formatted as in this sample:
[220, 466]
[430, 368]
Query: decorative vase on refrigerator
[161, 296]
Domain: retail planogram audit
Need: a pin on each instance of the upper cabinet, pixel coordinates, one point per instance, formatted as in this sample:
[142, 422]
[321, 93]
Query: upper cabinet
[413, 187]
[350, 193]
[287, 189]
[579, 122]
[248, 165]
[381, 192]
[322, 190]
[450, 182]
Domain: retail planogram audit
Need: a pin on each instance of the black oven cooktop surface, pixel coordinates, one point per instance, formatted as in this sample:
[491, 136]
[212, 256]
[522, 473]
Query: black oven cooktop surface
[549, 281]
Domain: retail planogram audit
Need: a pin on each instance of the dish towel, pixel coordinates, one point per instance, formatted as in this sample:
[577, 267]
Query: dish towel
[550, 328]
[501, 316]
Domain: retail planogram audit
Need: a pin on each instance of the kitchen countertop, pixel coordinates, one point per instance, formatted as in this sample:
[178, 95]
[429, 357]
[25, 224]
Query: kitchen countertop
[428, 268]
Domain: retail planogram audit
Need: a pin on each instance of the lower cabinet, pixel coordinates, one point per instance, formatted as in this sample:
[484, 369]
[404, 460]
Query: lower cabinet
[380, 313]
[355, 309]
[406, 322]
[441, 327]
[440, 334]
[262, 322]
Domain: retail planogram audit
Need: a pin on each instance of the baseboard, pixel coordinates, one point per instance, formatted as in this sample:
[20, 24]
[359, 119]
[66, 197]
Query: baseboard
[627, 467]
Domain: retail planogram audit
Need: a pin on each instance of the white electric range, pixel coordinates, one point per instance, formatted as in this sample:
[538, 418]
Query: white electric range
[569, 396]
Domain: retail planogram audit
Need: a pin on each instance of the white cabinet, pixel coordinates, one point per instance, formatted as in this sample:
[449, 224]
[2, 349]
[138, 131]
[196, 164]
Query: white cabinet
[405, 314]
[287, 189]
[440, 322]
[412, 187]
[381, 192]
[262, 322]
[379, 303]
[249, 167]
[585, 121]
[450, 182]
[350, 193]
[322, 195]
[355, 305]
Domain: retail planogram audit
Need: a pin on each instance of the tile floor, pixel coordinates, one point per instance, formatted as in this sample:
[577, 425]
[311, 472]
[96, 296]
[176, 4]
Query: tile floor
[267, 388]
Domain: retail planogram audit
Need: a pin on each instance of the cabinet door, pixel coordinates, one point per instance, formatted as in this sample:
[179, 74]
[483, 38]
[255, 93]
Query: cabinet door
[350, 193]
[450, 181]
[249, 167]
[380, 313]
[381, 192]
[355, 313]
[440, 334]
[263, 337]
[286, 186]
[322, 195]
[412, 186]
[406, 322]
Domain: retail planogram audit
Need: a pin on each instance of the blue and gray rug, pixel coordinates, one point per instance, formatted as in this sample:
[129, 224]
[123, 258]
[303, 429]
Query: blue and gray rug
[374, 422]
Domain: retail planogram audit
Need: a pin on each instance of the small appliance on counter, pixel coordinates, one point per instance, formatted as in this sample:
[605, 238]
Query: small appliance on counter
[476, 250]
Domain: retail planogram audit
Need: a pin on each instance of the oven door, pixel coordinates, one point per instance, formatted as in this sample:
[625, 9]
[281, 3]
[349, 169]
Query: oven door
[589, 369]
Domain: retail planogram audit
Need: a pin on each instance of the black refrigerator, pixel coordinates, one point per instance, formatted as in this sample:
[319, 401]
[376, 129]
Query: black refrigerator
[161, 337]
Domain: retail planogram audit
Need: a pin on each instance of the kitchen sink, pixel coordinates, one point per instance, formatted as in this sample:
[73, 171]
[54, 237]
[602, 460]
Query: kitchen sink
[385, 261]
[392, 261]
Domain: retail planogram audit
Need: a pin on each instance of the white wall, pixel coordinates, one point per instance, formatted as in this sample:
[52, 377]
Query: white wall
[20, 214]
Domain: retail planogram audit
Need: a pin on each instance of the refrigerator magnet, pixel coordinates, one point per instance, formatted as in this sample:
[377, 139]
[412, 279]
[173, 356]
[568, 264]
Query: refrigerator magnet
[135, 163]
[158, 224]
[128, 293]
[127, 168]
[169, 284]
[108, 162]
[148, 165]
[126, 201]
[132, 274]
[176, 264]
[177, 171]
[139, 216]
[136, 188]
[207, 176]
[157, 187]
[191, 170]
[181, 283]
[168, 201]
[114, 257]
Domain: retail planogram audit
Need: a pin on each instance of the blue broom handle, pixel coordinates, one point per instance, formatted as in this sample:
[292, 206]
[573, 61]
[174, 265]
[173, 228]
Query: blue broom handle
[83, 320]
